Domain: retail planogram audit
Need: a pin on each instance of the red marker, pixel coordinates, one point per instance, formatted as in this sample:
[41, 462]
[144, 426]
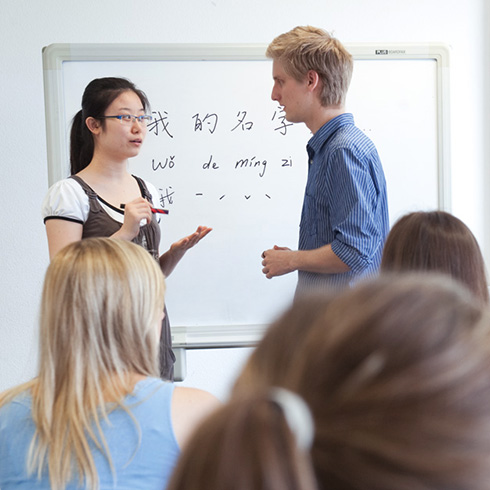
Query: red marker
[153, 210]
[160, 211]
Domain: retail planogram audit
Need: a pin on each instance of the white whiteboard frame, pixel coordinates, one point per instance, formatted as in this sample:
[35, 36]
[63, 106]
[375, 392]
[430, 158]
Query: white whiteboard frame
[55, 55]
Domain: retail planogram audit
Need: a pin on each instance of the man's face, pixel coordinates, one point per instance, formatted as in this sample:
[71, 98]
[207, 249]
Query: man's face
[290, 93]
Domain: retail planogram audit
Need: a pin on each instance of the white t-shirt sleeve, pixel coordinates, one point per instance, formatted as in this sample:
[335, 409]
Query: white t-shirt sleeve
[155, 195]
[66, 200]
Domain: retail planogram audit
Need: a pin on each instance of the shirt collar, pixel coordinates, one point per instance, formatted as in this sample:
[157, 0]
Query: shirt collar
[317, 140]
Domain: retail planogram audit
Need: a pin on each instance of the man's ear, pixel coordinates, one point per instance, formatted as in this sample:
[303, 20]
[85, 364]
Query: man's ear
[93, 125]
[312, 80]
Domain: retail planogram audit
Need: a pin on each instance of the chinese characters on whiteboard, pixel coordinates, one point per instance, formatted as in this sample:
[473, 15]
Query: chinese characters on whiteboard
[161, 126]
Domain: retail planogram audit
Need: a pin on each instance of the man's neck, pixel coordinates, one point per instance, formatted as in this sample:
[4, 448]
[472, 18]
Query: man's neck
[323, 116]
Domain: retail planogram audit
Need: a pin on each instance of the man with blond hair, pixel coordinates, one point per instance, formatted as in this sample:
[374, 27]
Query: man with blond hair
[344, 220]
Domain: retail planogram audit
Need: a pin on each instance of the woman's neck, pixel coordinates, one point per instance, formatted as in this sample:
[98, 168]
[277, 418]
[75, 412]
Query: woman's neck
[124, 386]
[102, 168]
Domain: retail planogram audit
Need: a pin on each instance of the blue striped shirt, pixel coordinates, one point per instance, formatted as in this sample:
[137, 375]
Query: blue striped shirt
[345, 203]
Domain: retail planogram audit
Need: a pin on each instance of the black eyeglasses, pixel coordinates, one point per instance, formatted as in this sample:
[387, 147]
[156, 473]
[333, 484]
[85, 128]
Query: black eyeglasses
[129, 118]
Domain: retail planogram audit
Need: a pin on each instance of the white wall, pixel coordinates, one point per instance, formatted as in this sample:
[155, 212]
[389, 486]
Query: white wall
[28, 25]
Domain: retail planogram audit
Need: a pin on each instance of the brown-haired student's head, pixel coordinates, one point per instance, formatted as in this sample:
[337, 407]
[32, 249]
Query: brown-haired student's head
[436, 241]
[396, 374]
[249, 444]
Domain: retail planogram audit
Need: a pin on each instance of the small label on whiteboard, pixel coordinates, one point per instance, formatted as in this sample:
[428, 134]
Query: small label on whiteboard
[389, 51]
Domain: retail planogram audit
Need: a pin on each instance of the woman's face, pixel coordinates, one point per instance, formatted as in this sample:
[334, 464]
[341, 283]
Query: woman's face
[120, 139]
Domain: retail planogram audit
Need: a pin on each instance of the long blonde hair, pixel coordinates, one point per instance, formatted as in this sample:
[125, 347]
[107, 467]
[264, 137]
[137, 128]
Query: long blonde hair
[101, 305]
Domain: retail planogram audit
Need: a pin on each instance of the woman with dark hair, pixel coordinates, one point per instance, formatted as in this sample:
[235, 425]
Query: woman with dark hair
[436, 241]
[108, 131]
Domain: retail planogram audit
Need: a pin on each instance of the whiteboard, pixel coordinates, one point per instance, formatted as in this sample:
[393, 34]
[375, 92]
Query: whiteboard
[221, 154]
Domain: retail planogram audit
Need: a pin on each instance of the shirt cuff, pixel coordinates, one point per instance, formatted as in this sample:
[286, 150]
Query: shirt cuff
[350, 256]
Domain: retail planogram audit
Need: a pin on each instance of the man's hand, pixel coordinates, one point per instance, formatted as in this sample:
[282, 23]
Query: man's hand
[277, 261]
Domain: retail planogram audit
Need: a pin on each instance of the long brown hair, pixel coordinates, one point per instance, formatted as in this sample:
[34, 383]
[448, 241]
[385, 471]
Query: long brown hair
[436, 241]
[272, 360]
[245, 445]
[396, 374]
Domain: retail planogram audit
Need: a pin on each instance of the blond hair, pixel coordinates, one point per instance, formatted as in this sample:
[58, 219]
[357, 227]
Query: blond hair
[306, 48]
[101, 305]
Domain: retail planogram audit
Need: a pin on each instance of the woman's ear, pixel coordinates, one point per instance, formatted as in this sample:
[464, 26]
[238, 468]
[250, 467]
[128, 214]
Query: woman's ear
[93, 125]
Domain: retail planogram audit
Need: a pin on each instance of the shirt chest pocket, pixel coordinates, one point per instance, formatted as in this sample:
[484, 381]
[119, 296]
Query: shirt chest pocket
[315, 216]
[309, 213]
